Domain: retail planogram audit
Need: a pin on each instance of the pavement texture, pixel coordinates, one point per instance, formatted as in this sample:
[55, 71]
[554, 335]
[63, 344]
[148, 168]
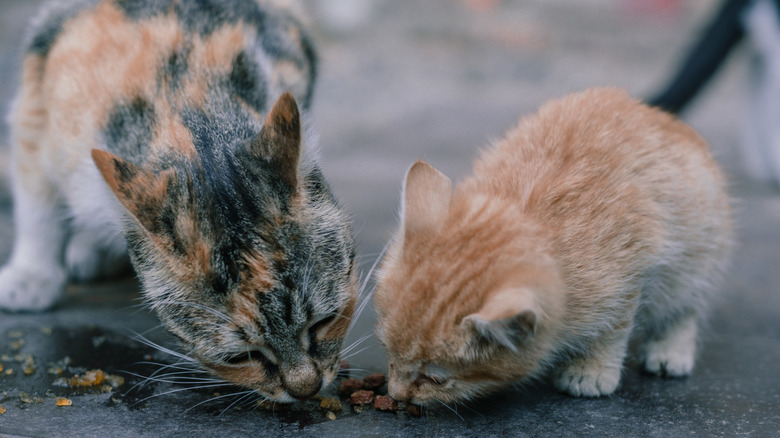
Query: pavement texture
[435, 80]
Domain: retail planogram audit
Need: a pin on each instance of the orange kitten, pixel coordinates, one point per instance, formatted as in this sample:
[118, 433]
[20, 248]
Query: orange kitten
[594, 219]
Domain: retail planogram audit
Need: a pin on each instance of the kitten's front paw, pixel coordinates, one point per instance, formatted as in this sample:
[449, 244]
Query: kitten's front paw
[669, 360]
[675, 353]
[583, 379]
[24, 289]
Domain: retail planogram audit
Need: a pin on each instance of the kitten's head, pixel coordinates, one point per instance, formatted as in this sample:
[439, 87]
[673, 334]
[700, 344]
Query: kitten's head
[246, 258]
[462, 302]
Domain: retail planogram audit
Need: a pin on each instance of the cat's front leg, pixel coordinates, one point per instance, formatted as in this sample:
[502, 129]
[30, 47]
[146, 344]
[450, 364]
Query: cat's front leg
[673, 354]
[34, 278]
[598, 373]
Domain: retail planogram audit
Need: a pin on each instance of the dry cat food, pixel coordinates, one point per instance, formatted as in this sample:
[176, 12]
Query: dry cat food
[91, 378]
[348, 386]
[2, 409]
[374, 381]
[361, 397]
[385, 403]
[331, 404]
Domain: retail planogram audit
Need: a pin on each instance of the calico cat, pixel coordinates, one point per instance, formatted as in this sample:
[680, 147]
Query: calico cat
[594, 219]
[148, 126]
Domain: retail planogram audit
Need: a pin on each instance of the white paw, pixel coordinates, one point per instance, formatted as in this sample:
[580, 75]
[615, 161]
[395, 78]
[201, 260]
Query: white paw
[25, 289]
[674, 354]
[665, 358]
[587, 379]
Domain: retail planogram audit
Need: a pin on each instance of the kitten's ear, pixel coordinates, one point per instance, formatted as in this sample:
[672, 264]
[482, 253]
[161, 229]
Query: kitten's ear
[140, 191]
[427, 194]
[507, 318]
[279, 142]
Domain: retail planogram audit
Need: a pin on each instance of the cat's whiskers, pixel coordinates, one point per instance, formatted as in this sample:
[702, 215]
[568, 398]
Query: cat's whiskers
[352, 346]
[455, 411]
[198, 306]
[177, 390]
[243, 394]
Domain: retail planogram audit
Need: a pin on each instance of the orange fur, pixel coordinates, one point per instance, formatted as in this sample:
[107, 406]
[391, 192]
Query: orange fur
[550, 250]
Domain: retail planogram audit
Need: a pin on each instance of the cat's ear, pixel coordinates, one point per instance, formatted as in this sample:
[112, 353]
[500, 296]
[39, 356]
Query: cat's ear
[141, 192]
[279, 141]
[507, 318]
[426, 197]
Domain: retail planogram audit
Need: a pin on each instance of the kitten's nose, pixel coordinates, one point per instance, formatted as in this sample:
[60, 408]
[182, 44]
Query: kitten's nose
[302, 381]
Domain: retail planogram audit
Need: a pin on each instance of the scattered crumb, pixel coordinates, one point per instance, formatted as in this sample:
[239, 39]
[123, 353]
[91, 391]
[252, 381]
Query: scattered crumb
[47, 330]
[331, 416]
[54, 369]
[17, 344]
[62, 401]
[5, 357]
[331, 404]
[348, 386]
[1, 367]
[9, 371]
[374, 381]
[385, 403]
[30, 399]
[2, 409]
[115, 381]
[361, 397]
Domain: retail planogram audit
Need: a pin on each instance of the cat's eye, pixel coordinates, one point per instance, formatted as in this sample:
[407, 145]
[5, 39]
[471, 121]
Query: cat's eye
[432, 380]
[324, 322]
[246, 356]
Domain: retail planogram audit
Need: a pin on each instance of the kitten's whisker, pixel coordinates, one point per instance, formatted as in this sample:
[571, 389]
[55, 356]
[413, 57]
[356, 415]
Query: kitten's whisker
[454, 411]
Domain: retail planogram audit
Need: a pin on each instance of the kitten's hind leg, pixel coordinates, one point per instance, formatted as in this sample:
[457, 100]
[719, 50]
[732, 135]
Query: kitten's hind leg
[598, 373]
[673, 353]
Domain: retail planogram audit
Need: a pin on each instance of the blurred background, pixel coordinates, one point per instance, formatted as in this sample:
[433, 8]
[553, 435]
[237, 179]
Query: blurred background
[438, 79]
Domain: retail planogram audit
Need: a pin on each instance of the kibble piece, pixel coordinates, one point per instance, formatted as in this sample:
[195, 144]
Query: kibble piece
[331, 416]
[62, 401]
[374, 381]
[331, 404]
[348, 386]
[2, 410]
[385, 403]
[362, 397]
[414, 410]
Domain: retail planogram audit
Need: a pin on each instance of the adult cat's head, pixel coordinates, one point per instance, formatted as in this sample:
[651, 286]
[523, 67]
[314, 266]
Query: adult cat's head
[245, 255]
[463, 294]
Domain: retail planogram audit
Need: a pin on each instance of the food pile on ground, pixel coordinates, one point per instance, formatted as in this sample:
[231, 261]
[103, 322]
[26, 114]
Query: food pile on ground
[363, 394]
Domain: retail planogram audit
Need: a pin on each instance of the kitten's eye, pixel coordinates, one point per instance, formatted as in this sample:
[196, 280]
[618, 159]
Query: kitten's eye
[432, 380]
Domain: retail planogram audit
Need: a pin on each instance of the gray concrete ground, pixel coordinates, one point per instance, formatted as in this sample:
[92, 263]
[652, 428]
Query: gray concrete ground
[435, 79]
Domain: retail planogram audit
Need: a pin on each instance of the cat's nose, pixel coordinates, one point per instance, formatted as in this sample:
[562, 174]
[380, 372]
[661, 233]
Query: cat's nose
[302, 381]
